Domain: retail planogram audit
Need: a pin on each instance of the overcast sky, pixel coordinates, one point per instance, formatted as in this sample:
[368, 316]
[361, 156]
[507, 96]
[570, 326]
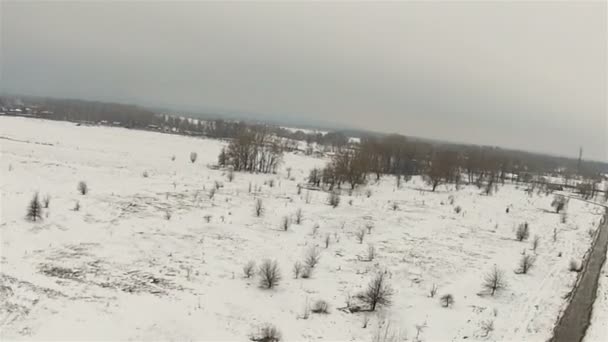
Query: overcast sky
[514, 74]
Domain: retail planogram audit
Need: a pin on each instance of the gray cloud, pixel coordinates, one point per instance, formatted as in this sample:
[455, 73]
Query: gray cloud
[523, 75]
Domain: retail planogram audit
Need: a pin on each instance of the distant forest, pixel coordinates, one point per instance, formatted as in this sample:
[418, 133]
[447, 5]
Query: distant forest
[391, 153]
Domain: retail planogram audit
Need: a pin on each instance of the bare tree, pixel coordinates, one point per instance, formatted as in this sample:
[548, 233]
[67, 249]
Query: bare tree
[378, 292]
[193, 156]
[523, 232]
[525, 264]
[83, 188]
[333, 199]
[34, 209]
[285, 223]
[269, 273]
[46, 201]
[312, 257]
[360, 234]
[259, 207]
[297, 269]
[494, 281]
[299, 216]
[266, 333]
[447, 300]
[433, 291]
[249, 269]
[559, 203]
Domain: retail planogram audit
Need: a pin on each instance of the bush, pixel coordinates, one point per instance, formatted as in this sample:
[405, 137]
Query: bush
[270, 275]
[559, 203]
[333, 199]
[378, 292]
[34, 210]
[297, 269]
[575, 266]
[167, 215]
[145, 174]
[327, 240]
[212, 192]
[457, 209]
[494, 281]
[371, 252]
[525, 264]
[306, 272]
[360, 234]
[447, 300]
[77, 206]
[249, 269]
[83, 188]
[46, 201]
[266, 333]
[285, 223]
[258, 207]
[320, 306]
[230, 175]
[299, 216]
[312, 257]
[433, 291]
[523, 232]
[535, 242]
[193, 156]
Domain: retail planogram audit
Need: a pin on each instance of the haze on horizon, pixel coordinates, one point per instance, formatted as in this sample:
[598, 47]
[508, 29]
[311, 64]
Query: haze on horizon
[530, 76]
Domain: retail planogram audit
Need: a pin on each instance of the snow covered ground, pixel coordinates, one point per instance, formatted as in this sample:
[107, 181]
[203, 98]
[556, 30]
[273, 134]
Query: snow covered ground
[598, 330]
[118, 269]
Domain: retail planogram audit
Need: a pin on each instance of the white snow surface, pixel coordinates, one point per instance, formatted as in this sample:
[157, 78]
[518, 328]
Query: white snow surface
[117, 269]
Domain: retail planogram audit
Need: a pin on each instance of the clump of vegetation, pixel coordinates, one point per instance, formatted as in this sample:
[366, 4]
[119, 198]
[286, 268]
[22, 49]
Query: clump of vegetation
[167, 215]
[83, 188]
[269, 273]
[535, 242]
[34, 209]
[285, 223]
[46, 201]
[523, 232]
[525, 264]
[360, 234]
[249, 269]
[313, 255]
[447, 300]
[378, 292]
[266, 333]
[333, 199]
[297, 269]
[320, 307]
[193, 156]
[433, 291]
[258, 207]
[575, 266]
[457, 209]
[494, 281]
[559, 203]
[299, 216]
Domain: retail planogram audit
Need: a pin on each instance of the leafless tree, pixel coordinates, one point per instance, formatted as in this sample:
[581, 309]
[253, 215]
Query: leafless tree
[378, 292]
[312, 257]
[523, 232]
[559, 203]
[297, 269]
[259, 207]
[299, 216]
[327, 240]
[433, 291]
[34, 209]
[333, 199]
[447, 300]
[249, 269]
[360, 234]
[285, 223]
[269, 273]
[494, 281]
[525, 264]
[46, 201]
[83, 188]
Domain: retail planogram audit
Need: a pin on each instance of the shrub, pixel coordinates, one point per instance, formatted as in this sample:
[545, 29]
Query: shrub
[230, 175]
[487, 327]
[312, 257]
[447, 300]
[266, 333]
[297, 269]
[46, 201]
[271, 183]
[525, 264]
[535, 242]
[83, 188]
[327, 239]
[285, 223]
[494, 281]
[333, 199]
[299, 216]
[212, 193]
[320, 306]
[360, 234]
[249, 269]
[167, 215]
[559, 203]
[574, 266]
[395, 206]
[258, 207]
[77, 206]
[433, 291]
[457, 209]
[368, 193]
[523, 232]
[371, 252]
[207, 218]
[34, 209]
[145, 174]
[378, 292]
[173, 157]
[306, 272]
[269, 273]
[193, 156]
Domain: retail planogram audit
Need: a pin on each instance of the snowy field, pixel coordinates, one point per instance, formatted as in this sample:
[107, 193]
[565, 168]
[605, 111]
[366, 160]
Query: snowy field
[118, 269]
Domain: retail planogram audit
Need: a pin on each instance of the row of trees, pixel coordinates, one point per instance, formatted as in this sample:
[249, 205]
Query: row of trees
[253, 150]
